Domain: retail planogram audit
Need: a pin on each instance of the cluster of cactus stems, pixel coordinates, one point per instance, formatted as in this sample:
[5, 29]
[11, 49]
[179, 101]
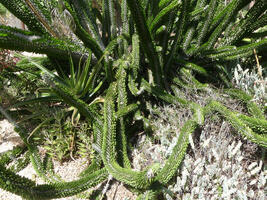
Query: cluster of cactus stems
[137, 50]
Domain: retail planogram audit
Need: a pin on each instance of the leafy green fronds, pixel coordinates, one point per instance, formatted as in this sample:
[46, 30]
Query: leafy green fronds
[146, 39]
[192, 66]
[81, 33]
[208, 19]
[239, 51]
[244, 26]
[188, 37]
[221, 14]
[165, 11]
[232, 9]
[87, 21]
[180, 29]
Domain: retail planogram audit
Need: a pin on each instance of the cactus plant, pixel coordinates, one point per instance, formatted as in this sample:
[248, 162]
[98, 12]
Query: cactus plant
[141, 51]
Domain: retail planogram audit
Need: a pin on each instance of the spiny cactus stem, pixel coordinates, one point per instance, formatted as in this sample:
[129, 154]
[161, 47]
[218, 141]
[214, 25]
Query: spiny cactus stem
[41, 19]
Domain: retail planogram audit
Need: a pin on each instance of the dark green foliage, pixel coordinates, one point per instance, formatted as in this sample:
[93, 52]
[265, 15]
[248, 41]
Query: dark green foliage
[160, 93]
[15, 183]
[7, 157]
[70, 188]
[20, 9]
[145, 38]
[116, 56]
[27, 188]
[21, 163]
[15, 39]
[204, 29]
[245, 26]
